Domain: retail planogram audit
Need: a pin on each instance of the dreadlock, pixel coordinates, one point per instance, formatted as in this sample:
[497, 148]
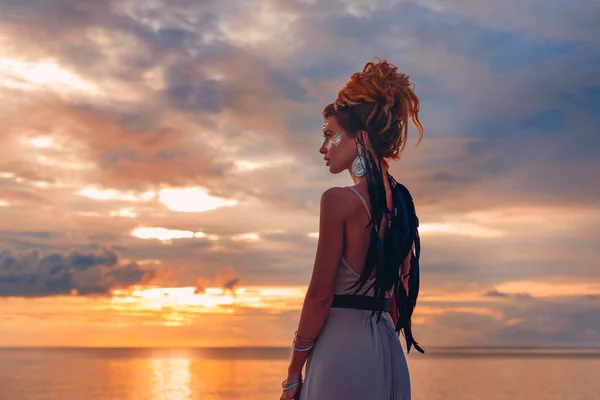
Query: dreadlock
[380, 101]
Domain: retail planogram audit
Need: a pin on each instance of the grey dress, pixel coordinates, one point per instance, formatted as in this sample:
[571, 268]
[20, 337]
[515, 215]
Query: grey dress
[356, 358]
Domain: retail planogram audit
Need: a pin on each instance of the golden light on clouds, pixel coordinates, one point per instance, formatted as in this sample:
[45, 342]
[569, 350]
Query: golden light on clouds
[182, 299]
[7, 175]
[18, 179]
[245, 165]
[123, 213]
[46, 74]
[461, 229]
[246, 237]
[179, 305]
[425, 311]
[192, 199]
[558, 288]
[3, 203]
[165, 234]
[113, 194]
[153, 316]
[62, 163]
[504, 221]
[42, 142]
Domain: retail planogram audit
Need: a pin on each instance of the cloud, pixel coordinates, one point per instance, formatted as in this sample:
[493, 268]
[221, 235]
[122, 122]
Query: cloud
[32, 274]
[226, 278]
[496, 293]
[224, 99]
[247, 92]
[557, 323]
[551, 20]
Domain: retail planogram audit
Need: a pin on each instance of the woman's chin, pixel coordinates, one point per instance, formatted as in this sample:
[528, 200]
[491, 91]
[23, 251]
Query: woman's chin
[333, 170]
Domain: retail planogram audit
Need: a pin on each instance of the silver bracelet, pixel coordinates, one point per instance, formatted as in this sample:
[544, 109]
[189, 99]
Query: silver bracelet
[303, 348]
[296, 337]
[288, 385]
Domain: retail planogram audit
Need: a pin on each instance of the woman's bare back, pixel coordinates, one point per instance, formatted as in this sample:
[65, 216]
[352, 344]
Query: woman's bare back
[356, 237]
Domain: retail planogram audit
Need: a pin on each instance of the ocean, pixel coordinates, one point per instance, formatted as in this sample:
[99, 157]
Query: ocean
[256, 373]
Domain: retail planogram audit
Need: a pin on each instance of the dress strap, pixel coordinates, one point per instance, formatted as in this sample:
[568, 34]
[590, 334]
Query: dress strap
[362, 199]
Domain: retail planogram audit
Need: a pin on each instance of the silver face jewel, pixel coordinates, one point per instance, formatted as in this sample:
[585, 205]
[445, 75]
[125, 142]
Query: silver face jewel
[337, 139]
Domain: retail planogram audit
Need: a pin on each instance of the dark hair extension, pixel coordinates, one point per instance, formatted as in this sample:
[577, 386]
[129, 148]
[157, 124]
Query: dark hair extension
[405, 235]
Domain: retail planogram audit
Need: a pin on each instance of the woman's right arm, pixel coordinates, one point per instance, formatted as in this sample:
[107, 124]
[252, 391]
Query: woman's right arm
[319, 295]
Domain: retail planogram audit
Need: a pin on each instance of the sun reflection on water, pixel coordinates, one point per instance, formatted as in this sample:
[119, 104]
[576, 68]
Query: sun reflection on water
[171, 379]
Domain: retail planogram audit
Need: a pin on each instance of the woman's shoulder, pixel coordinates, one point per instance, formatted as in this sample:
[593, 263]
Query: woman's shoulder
[336, 193]
[335, 196]
[338, 199]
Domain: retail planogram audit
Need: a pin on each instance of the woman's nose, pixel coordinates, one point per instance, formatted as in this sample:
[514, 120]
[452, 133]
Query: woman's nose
[323, 149]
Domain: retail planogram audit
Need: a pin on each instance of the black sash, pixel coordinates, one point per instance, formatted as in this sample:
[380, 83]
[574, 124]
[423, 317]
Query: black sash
[359, 302]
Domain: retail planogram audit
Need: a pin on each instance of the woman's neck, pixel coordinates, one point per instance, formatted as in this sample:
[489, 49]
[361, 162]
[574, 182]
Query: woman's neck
[361, 179]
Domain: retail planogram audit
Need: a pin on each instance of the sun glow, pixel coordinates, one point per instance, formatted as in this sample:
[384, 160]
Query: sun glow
[192, 199]
[179, 305]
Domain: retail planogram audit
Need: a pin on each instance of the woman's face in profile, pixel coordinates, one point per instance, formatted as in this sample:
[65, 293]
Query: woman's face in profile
[338, 148]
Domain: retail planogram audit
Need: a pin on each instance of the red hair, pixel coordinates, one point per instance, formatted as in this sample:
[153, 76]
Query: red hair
[380, 101]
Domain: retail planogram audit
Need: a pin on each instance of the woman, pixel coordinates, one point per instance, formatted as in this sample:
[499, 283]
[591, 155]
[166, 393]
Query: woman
[365, 280]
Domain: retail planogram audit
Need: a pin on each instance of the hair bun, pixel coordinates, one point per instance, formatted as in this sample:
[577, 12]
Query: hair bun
[384, 100]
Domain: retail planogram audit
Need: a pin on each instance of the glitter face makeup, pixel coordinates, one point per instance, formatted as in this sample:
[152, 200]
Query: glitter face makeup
[332, 141]
[336, 139]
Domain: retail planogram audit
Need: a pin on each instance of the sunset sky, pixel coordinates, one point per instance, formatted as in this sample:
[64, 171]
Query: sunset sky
[160, 175]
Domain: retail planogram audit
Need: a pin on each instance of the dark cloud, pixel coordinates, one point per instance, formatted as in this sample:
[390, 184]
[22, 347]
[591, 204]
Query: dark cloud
[555, 322]
[226, 279]
[496, 293]
[32, 274]
[551, 20]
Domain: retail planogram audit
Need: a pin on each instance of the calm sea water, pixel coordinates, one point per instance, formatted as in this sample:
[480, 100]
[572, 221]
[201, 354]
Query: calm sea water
[251, 374]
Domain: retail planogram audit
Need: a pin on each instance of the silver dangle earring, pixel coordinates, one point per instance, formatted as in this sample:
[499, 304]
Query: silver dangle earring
[358, 165]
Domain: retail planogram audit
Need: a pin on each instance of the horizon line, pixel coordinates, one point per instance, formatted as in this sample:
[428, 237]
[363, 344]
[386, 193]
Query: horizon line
[491, 347]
